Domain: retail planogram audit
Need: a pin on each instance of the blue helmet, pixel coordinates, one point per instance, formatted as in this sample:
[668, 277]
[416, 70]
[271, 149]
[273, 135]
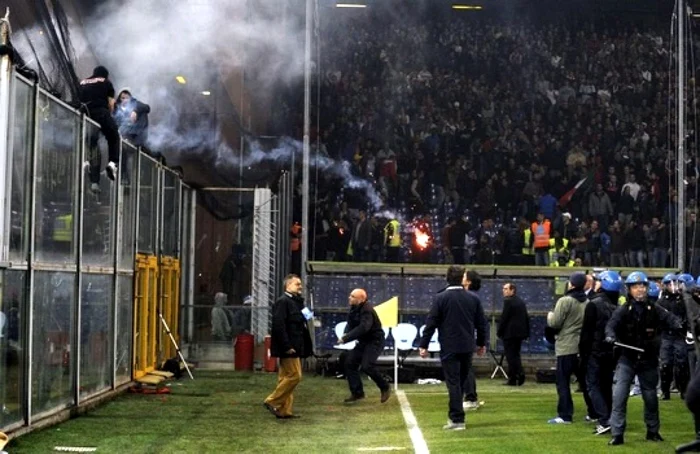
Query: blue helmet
[654, 291]
[636, 277]
[670, 277]
[610, 281]
[686, 279]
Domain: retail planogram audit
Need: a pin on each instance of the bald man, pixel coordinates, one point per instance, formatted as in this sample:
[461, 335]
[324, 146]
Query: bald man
[365, 328]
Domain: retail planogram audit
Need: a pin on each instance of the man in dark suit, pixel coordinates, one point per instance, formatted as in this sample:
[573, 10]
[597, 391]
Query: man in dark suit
[362, 239]
[513, 329]
[291, 341]
[455, 313]
[365, 327]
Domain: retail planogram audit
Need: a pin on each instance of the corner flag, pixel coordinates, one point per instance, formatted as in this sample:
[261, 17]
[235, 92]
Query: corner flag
[388, 312]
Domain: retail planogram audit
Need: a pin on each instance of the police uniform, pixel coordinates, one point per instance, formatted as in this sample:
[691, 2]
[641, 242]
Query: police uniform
[691, 299]
[95, 94]
[674, 353]
[637, 324]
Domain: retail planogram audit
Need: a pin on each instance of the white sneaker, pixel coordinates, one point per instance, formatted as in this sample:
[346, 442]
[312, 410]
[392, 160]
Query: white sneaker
[454, 425]
[86, 166]
[558, 420]
[589, 419]
[95, 188]
[111, 170]
[468, 405]
[600, 429]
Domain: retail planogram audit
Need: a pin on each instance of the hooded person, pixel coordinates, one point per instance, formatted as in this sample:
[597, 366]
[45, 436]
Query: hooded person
[131, 116]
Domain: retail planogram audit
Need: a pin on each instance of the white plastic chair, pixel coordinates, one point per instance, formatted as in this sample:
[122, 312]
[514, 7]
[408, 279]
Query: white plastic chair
[339, 331]
[434, 345]
[404, 335]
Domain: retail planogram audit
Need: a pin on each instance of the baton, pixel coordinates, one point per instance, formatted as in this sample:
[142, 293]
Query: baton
[637, 349]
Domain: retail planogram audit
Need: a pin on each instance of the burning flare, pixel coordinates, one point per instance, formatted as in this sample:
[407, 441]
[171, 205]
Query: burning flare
[422, 238]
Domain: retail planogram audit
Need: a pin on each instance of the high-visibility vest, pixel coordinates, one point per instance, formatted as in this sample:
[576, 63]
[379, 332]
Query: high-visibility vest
[556, 263]
[554, 252]
[621, 300]
[527, 238]
[392, 236]
[541, 232]
[63, 228]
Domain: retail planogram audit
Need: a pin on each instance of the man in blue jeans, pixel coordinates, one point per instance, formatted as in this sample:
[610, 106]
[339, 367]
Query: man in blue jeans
[567, 319]
[637, 324]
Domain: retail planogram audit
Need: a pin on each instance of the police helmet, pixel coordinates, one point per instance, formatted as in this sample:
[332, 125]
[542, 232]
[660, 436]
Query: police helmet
[654, 291]
[670, 277]
[637, 277]
[610, 281]
[686, 279]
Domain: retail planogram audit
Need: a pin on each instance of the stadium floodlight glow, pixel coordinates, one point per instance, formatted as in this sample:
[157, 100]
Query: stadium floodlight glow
[180, 79]
[350, 5]
[468, 7]
[206, 93]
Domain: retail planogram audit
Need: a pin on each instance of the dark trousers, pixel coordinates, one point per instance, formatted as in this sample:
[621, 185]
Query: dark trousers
[674, 364]
[111, 132]
[364, 356]
[581, 373]
[648, 375]
[599, 379]
[566, 367]
[469, 387]
[692, 401]
[456, 368]
[511, 347]
[392, 254]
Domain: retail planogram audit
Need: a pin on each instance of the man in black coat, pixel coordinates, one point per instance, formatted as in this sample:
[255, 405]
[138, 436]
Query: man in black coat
[365, 327]
[513, 329]
[455, 313]
[290, 342]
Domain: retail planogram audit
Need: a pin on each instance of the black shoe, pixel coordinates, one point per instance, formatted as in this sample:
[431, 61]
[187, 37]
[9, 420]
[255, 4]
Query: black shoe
[616, 440]
[385, 395]
[654, 436]
[294, 416]
[667, 396]
[353, 399]
[693, 446]
[521, 380]
[272, 410]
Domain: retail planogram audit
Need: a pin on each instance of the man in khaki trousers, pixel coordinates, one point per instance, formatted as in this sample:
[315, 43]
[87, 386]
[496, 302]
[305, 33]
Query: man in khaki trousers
[291, 341]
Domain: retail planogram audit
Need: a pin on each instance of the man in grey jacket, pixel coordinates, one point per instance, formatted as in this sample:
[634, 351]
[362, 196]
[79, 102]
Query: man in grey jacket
[567, 319]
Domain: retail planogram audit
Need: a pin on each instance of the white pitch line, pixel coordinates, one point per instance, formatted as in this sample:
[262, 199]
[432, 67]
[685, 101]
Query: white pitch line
[419, 444]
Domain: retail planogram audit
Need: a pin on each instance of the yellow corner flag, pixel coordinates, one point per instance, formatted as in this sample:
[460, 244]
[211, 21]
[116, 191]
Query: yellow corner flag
[388, 312]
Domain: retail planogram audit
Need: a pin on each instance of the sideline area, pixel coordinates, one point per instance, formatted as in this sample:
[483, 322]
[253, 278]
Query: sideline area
[221, 412]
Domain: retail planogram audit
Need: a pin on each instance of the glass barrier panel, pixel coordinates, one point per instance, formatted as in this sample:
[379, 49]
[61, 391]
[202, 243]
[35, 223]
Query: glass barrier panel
[55, 181]
[22, 139]
[127, 207]
[125, 318]
[171, 221]
[98, 203]
[96, 333]
[12, 346]
[148, 189]
[52, 314]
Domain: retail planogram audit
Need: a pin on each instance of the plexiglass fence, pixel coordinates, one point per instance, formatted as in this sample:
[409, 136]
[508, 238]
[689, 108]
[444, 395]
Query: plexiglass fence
[67, 290]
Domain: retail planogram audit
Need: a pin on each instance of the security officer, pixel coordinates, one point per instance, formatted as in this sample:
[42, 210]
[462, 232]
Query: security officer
[674, 354]
[654, 292]
[96, 95]
[392, 241]
[601, 362]
[637, 325]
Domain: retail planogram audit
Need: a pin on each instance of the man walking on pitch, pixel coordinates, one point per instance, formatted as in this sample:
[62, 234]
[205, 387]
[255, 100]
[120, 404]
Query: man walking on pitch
[455, 313]
[365, 327]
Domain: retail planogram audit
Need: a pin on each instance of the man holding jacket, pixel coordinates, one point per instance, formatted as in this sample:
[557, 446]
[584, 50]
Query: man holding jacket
[365, 327]
[513, 329]
[455, 313]
[290, 342]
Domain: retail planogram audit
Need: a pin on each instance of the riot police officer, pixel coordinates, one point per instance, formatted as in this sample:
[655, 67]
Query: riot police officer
[691, 298]
[637, 325]
[674, 355]
[601, 362]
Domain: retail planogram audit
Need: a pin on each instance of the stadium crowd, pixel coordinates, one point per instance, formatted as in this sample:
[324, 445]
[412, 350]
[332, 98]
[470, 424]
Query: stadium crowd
[469, 131]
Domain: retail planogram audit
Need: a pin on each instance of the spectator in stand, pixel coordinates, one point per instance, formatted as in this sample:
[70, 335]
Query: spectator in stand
[600, 207]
